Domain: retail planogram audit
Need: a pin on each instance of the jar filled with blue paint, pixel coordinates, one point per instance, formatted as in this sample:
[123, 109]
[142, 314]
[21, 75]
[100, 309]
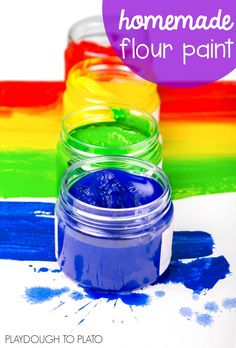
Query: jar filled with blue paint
[114, 223]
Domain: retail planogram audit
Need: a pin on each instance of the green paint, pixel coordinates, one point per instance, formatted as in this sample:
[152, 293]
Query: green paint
[201, 176]
[133, 121]
[27, 174]
[108, 134]
[33, 174]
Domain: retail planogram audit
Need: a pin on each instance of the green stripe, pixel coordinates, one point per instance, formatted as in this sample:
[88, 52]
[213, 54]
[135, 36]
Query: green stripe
[33, 174]
[201, 176]
[27, 174]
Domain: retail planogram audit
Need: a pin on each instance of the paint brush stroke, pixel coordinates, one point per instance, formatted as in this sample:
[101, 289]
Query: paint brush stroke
[28, 173]
[191, 244]
[27, 233]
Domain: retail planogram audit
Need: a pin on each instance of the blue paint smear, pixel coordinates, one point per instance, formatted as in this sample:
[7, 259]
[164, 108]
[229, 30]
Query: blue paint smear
[131, 299]
[198, 275]
[186, 312]
[229, 303]
[43, 270]
[40, 294]
[76, 296]
[160, 293]
[26, 232]
[135, 299]
[190, 245]
[211, 307]
[204, 319]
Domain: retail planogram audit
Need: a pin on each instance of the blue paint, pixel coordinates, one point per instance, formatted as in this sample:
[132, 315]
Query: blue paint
[229, 303]
[131, 299]
[186, 312]
[204, 319]
[96, 295]
[113, 188]
[160, 293]
[211, 307]
[56, 270]
[43, 270]
[135, 299]
[40, 294]
[76, 296]
[198, 275]
[27, 231]
[190, 245]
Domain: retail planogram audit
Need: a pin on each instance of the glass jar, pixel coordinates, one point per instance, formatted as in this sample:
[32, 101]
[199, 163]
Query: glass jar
[107, 80]
[87, 39]
[113, 249]
[107, 130]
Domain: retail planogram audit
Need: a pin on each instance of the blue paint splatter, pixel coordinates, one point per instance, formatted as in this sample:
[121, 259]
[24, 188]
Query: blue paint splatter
[198, 275]
[96, 295]
[42, 294]
[76, 296]
[204, 319]
[43, 270]
[211, 307]
[186, 312]
[131, 299]
[56, 270]
[160, 293]
[135, 299]
[229, 303]
[190, 245]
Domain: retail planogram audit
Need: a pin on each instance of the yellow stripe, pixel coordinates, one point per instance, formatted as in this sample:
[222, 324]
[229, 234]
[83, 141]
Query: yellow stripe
[33, 129]
[186, 139]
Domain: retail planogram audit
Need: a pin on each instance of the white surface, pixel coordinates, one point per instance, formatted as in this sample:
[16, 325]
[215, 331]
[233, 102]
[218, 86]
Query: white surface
[33, 36]
[156, 325]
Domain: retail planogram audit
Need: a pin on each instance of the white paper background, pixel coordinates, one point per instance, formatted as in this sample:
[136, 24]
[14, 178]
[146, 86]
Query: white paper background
[33, 35]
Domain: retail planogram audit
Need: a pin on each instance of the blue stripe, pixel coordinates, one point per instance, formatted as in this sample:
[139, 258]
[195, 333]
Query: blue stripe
[27, 233]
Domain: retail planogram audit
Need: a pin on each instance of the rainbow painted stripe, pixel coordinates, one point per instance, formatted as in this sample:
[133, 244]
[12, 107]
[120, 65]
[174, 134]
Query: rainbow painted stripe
[198, 127]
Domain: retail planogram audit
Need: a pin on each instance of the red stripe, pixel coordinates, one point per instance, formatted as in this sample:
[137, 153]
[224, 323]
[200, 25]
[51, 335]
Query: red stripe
[30, 93]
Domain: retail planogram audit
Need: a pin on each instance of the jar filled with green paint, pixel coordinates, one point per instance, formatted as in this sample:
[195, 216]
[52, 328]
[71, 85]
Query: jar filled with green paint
[108, 130]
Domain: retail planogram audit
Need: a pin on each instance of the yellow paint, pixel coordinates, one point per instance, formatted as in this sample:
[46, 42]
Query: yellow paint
[94, 82]
[30, 129]
[187, 139]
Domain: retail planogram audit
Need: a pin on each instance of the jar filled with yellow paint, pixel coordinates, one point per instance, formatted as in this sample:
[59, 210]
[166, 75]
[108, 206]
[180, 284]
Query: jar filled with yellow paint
[107, 130]
[107, 80]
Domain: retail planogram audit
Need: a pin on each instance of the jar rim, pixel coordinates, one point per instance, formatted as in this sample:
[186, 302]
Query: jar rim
[91, 25]
[106, 106]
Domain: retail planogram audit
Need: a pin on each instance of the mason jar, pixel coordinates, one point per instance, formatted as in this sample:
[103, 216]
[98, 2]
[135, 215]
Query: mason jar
[87, 39]
[114, 249]
[107, 130]
[107, 80]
